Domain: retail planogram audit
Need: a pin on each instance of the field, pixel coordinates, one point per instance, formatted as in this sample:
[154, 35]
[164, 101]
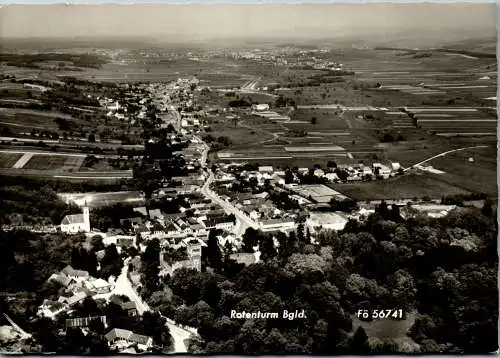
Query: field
[49, 162]
[415, 185]
[7, 160]
[95, 200]
[479, 176]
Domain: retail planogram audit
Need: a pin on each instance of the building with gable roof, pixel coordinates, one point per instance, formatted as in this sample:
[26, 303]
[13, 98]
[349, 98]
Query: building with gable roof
[123, 338]
[73, 224]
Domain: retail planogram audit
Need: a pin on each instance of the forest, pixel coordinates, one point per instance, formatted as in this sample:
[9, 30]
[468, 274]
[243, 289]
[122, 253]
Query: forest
[441, 271]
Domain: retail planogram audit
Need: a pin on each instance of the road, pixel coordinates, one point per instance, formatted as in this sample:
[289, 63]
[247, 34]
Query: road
[123, 286]
[242, 220]
[24, 334]
[443, 154]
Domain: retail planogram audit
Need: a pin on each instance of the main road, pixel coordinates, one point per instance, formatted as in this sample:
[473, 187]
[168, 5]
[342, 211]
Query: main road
[243, 221]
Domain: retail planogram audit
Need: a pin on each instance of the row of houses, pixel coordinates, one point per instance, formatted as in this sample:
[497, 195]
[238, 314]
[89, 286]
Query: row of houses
[78, 285]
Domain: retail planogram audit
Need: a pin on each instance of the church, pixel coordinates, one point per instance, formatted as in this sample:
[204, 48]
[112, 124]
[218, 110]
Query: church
[76, 223]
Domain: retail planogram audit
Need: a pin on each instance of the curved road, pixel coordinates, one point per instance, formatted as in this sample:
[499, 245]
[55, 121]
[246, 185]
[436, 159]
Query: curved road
[443, 154]
[123, 286]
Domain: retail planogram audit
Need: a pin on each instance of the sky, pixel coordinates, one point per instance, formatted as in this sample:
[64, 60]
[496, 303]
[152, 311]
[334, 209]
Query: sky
[241, 20]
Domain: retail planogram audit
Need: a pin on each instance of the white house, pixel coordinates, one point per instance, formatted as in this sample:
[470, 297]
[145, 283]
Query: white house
[319, 172]
[266, 169]
[99, 286]
[260, 107]
[123, 338]
[72, 224]
[383, 170]
[331, 176]
[395, 166]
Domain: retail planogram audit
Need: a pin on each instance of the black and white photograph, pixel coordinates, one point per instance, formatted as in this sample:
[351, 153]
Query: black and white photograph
[248, 178]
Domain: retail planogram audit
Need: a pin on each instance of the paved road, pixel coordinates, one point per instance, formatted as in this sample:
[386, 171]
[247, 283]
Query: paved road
[123, 286]
[243, 221]
[443, 154]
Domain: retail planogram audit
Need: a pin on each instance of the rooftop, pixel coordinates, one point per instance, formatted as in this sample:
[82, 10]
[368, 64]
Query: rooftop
[73, 219]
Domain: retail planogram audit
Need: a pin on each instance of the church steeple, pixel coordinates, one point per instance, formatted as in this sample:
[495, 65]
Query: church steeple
[86, 218]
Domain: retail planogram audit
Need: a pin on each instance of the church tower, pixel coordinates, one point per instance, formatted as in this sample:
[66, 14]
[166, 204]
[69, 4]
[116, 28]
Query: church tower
[86, 218]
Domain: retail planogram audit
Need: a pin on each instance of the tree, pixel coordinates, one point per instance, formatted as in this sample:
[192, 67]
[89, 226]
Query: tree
[487, 209]
[250, 239]
[267, 248]
[154, 325]
[111, 263]
[150, 267]
[331, 164]
[359, 342]
[213, 251]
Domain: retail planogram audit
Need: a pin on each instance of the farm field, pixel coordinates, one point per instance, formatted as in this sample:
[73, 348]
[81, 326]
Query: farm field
[415, 185]
[480, 176]
[49, 162]
[7, 160]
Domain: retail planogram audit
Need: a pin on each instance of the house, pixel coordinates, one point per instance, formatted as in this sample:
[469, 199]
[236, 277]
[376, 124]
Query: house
[76, 298]
[72, 224]
[50, 308]
[61, 279]
[331, 177]
[155, 214]
[266, 169]
[395, 166]
[123, 338]
[383, 170]
[193, 249]
[131, 222]
[141, 210]
[77, 275]
[325, 220]
[319, 173]
[277, 225]
[260, 107]
[128, 306]
[125, 241]
[98, 286]
[367, 171]
[254, 215]
[82, 322]
[220, 223]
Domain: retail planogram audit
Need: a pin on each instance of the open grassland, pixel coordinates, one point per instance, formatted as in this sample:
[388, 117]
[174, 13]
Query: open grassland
[414, 185]
[479, 176]
[7, 160]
